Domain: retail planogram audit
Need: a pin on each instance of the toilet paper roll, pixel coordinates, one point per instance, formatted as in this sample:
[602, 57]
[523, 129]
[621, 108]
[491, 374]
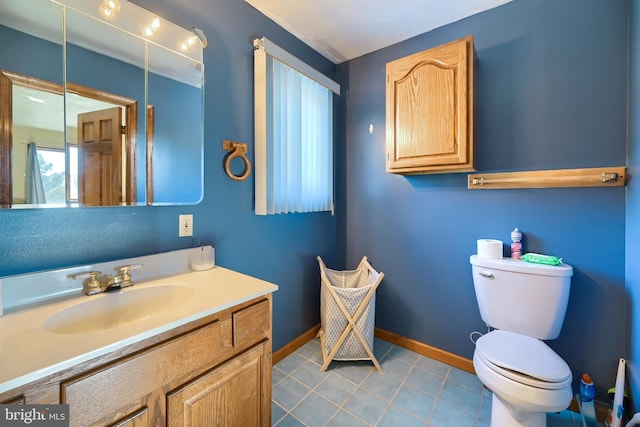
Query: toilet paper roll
[489, 248]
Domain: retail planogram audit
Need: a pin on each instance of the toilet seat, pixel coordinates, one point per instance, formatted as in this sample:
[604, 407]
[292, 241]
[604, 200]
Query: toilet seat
[523, 359]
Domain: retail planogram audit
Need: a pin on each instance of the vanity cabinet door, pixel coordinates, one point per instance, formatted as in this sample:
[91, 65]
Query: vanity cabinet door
[429, 111]
[236, 394]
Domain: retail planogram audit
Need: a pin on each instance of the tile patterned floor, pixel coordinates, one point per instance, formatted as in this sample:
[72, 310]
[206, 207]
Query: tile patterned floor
[412, 390]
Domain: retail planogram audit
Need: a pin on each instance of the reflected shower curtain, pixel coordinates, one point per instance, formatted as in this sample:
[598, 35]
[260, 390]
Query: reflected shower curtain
[34, 188]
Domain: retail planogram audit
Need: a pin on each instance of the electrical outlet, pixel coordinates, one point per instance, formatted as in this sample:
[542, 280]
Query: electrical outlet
[185, 224]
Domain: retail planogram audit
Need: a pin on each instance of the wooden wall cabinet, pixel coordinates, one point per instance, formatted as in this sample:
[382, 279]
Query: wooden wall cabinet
[215, 371]
[430, 110]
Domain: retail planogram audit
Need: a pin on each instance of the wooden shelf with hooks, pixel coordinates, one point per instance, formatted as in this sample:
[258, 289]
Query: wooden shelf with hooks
[556, 178]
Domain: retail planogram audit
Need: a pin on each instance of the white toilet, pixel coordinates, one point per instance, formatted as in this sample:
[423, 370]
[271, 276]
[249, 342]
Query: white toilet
[525, 303]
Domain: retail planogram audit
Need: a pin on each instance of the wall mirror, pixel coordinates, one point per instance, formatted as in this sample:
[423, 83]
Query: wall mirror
[101, 104]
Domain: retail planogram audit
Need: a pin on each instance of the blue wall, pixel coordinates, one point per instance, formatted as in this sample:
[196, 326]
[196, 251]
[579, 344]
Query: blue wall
[633, 199]
[178, 118]
[13, 58]
[281, 249]
[551, 93]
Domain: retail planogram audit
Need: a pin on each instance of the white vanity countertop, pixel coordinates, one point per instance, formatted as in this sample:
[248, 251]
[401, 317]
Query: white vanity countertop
[28, 352]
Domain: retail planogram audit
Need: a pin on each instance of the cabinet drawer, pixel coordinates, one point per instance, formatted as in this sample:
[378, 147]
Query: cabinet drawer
[251, 324]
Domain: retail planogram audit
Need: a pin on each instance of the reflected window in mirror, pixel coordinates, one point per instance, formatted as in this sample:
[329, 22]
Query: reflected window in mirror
[59, 184]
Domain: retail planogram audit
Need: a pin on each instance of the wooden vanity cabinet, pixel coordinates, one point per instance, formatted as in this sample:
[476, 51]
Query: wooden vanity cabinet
[213, 372]
[429, 110]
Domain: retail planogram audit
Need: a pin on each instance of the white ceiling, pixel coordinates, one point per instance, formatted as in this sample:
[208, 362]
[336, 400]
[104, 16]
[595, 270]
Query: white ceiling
[345, 29]
[33, 108]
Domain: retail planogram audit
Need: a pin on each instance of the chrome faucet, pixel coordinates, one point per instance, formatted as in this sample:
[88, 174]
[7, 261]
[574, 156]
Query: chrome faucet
[95, 282]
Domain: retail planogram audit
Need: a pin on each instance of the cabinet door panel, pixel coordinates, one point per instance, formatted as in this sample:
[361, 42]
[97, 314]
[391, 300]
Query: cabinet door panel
[233, 395]
[426, 110]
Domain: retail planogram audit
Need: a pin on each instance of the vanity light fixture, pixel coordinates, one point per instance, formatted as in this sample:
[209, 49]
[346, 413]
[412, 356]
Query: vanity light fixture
[109, 8]
[152, 28]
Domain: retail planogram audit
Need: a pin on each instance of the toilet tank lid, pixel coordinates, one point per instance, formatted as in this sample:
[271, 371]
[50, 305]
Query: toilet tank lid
[518, 266]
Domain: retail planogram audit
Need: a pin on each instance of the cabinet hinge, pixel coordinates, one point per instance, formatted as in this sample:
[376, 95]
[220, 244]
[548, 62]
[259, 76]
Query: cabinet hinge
[123, 129]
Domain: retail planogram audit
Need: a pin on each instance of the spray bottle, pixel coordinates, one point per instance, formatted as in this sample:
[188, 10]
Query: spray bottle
[516, 244]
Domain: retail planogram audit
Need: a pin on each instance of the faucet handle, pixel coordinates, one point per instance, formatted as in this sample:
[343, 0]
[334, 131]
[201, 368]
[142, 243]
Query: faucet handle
[91, 284]
[84, 275]
[124, 272]
[124, 269]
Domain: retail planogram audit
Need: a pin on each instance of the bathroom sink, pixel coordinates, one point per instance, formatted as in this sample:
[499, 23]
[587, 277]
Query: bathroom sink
[112, 309]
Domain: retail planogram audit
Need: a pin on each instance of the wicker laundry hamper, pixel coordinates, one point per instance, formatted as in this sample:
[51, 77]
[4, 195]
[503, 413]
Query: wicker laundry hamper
[347, 313]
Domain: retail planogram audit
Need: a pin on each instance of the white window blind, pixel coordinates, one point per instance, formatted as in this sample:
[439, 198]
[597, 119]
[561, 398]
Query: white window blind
[294, 133]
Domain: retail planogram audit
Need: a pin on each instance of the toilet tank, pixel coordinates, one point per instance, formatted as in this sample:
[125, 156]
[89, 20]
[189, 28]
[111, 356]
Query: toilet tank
[522, 297]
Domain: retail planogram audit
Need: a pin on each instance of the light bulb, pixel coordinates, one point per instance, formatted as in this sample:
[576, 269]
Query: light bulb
[151, 28]
[114, 5]
[106, 12]
[188, 43]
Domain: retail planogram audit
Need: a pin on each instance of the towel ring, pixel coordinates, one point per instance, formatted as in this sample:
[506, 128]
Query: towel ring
[236, 149]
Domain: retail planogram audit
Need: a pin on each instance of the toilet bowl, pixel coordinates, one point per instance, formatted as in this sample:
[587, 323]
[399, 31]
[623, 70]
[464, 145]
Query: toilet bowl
[527, 378]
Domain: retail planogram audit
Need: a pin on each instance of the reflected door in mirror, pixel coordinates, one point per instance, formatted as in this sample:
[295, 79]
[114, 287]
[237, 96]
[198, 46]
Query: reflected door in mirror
[100, 158]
